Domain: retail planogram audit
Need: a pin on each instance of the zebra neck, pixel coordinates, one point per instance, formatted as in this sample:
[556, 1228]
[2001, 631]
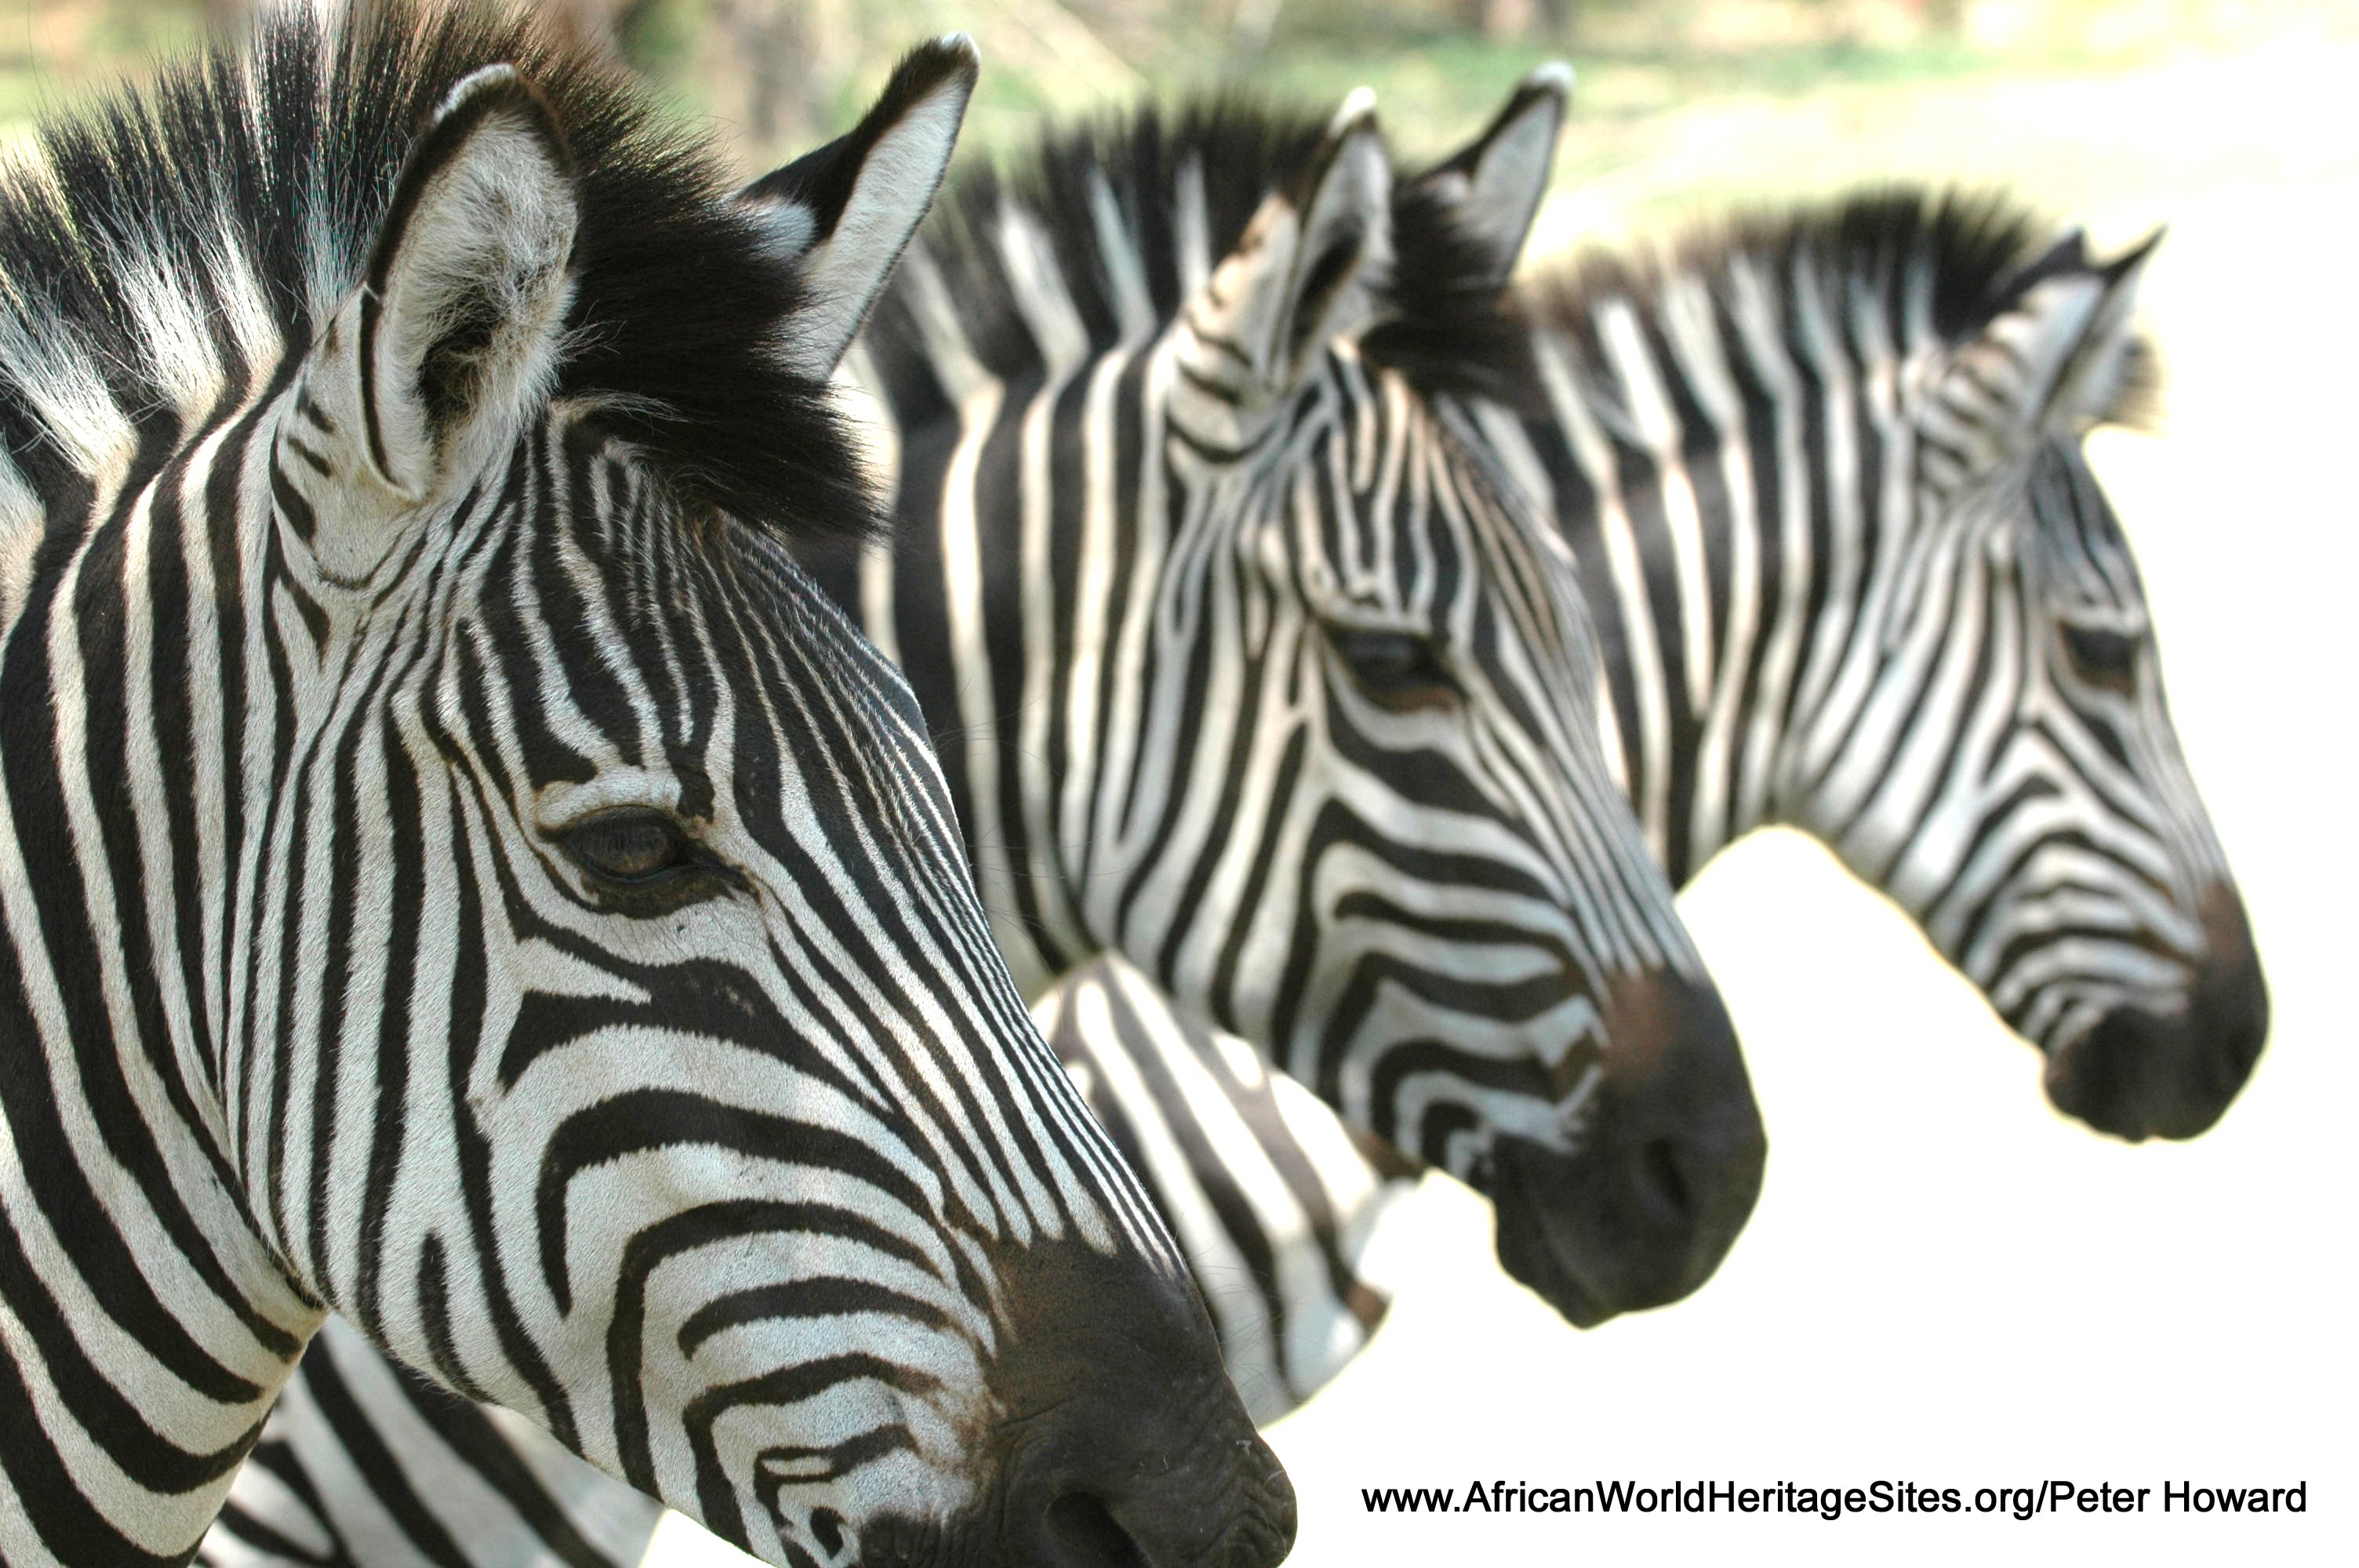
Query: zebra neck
[1018, 598]
[1735, 538]
[145, 1326]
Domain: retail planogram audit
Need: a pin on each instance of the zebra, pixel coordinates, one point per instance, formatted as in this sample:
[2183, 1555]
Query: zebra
[457, 872]
[1822, 474]
[1245, 663]
[366, 1464]
[1170, 382]
[1274, 1204]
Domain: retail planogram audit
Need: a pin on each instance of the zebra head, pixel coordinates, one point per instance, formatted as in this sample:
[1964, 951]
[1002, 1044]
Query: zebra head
[472, 882]
[1364, 817]
[1902, 616]
[2030, 804]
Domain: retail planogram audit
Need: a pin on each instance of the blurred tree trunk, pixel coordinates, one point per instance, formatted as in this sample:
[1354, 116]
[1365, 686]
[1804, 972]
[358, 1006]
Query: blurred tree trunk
[1516, 18]
[1250, 24]
[762, 48]
[777, 64]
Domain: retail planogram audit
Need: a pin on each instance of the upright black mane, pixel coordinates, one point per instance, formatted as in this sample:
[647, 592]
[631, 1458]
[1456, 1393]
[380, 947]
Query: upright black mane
[233, 203]
[1968, 252]
[1245, 148]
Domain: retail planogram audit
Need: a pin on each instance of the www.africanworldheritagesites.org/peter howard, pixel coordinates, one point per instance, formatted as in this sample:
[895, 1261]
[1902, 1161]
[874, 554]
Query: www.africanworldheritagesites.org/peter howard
[2048, 1497]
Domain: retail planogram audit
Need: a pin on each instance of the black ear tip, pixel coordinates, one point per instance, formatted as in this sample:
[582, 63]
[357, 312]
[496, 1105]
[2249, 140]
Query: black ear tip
[2136, 254]
[498, 92]
[951, 56]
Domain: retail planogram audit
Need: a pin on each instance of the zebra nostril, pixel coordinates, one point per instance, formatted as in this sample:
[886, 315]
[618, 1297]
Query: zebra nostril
[1080, 1532]
[1662, 1184]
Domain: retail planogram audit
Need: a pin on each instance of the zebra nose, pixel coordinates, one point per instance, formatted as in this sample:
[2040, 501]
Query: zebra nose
[2136, 1074]
[1666, 1168]
[1124, 1444]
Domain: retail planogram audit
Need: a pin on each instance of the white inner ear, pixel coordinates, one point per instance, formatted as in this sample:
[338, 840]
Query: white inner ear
[1503, 195]
[2045, 330]
[1996, 392]
[1356, 196]
[844, 272]
[2099, 360]
[1245, 300]
[791, 228]
[472, 290]
[485, 249]
[1254, 297]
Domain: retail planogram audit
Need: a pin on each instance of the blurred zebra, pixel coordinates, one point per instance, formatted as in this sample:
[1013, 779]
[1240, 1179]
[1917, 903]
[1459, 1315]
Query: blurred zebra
[458, 874]
[1822, 474]
[1245, 663]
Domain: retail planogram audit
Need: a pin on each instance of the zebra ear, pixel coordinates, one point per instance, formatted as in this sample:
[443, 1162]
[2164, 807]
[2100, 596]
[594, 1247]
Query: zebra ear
[847, 210]
[1488, 193]
[2057, 358]
[453, 333]
[1312, 263]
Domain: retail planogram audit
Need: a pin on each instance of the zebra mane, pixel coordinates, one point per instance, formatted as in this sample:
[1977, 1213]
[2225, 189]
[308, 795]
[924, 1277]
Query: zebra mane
[1105, 195]
[172, 250]
[1061, 187]
[1969, 254]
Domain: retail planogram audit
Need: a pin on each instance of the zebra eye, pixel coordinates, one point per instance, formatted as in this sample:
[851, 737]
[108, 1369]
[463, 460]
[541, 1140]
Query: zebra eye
[2099, 657]
[628, 847]
[1399, 670]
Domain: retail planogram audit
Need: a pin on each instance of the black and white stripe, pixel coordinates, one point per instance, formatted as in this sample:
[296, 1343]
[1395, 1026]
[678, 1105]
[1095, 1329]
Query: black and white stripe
[457, 874]
[1248, 664]
[1271, 1197]
[1823, 477]
[1246, 667]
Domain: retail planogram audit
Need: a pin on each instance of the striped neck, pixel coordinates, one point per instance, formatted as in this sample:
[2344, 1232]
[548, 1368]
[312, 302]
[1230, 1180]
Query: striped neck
[1028, 629]
[142, 1302]
[1741, 504]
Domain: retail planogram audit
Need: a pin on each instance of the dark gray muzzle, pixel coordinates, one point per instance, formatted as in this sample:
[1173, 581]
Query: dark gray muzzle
[1666, 1172]
[2138, 1075]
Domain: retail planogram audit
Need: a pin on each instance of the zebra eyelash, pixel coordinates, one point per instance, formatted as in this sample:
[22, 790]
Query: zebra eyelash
[643, 862]
[1401, 670]
[2100, 657]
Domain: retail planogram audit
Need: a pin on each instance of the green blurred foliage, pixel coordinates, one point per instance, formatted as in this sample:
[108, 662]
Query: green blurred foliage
[779, 74]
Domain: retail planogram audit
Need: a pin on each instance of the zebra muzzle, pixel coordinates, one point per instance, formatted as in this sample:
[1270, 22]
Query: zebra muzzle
[1663, 1177]
[2138, 1075]
[1124, 1444]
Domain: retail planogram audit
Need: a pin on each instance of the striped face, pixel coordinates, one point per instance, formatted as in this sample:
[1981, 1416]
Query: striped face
[2005, 764]
[1428, 887]
[1246, 668]
[1824, 478]
[1367, 815]
[505, 904]
[657, 1076]
[635, 1006]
